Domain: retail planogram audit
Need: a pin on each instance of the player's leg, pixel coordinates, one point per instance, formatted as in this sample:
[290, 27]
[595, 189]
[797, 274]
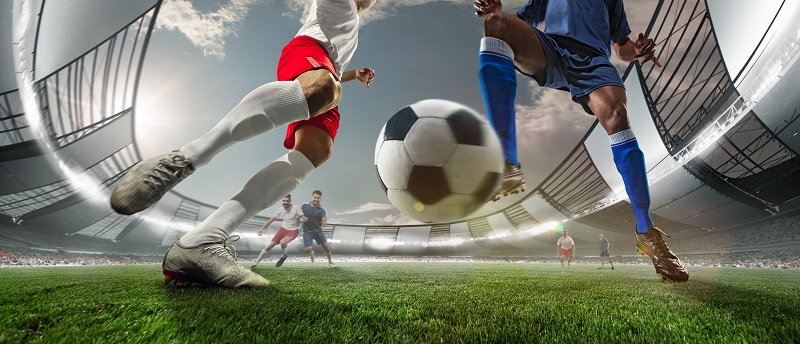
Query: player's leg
[608, 103]
[262, 190]
[312, 92]
[308, 242]
[507, 42]
[312, 147]
[326, 247]
[561, 257]
[265, 108]
[284, 244]
[272, 244]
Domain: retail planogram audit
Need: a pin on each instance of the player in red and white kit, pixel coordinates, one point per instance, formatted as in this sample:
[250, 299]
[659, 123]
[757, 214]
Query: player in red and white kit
[305, 97]
[290, 214]
[566, 248]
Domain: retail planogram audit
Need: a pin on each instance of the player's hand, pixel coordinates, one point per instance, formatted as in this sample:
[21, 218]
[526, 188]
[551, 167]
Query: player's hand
[365, 76]
[260, 233]
[303, 218]
[484, 7]
[645, 48]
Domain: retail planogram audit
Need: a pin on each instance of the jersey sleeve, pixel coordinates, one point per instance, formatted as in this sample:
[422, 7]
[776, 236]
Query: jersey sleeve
[617, 21]
[278, 213]
[533, 12]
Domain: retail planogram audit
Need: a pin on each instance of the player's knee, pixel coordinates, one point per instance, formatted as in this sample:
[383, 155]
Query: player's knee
[494, 24]
[317, 151]
[616, 118]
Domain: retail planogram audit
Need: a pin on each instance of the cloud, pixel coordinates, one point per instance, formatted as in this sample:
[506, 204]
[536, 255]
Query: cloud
[387, 8]
[366, 207]
[549, 125]
[393, 219]
[207, 31]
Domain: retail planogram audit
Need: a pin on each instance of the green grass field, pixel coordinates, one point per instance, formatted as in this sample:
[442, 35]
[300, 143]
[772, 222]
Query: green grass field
[404, 302]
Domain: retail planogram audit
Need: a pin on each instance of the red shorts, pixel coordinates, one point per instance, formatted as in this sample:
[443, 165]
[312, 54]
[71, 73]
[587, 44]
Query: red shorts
[283, 232]
[563, 252]
[301, 55]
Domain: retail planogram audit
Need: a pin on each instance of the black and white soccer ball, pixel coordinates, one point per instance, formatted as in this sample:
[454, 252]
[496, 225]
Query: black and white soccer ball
[438, 161]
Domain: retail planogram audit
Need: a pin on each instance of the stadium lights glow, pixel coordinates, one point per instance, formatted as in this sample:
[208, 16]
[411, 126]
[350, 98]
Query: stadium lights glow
[183, 226]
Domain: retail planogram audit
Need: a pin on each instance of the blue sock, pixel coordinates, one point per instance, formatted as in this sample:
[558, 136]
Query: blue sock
[630, 164]
[498, 80]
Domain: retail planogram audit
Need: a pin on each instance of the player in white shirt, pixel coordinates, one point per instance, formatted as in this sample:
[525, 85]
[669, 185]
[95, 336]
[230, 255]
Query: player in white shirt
[566, 248]
[290, 214]
[305, 97]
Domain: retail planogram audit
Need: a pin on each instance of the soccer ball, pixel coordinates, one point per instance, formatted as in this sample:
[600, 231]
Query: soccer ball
[438, 161]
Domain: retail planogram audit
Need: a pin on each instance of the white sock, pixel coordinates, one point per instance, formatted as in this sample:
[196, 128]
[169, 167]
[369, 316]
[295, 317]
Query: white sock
[283, 250]
[496, 46]
[261, 191]
[267, 107]
[328, 254]
[311, 254]
[261, 256]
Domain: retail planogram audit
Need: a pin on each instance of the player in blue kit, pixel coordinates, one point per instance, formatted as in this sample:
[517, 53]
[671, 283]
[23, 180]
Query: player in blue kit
[314, 220]
[571, 54]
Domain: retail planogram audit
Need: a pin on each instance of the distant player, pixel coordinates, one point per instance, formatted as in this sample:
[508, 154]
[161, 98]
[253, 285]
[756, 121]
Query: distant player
[604, 244]
[566, 248]
[291, 214]
[572, 54]
[305, 97]
[314, 220]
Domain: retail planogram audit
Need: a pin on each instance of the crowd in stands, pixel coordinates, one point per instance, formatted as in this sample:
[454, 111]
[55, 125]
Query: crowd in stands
[26, 257]
[782, 230]
[16, 236]
[771, 244]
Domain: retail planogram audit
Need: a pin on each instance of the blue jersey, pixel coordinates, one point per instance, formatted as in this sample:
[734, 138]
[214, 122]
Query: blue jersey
[595, 24]
[603, 244]
[314, 215]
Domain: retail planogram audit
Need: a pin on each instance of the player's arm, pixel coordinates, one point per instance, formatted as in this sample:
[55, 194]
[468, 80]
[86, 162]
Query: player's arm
[643, 48]
[266, 224]
[363, 75]
[324, 218]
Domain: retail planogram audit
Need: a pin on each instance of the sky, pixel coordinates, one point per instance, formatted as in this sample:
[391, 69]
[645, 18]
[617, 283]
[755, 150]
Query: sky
[205, 55]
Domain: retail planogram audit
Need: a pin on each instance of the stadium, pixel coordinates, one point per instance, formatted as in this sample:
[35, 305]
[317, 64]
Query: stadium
[85, 94]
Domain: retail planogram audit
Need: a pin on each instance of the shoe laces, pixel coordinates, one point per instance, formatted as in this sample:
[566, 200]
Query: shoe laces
[223, 249]
[168, 170]
[659, 243]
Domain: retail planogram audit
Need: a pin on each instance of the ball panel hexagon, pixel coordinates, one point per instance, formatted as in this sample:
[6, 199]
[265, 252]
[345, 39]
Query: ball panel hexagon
[410, 206]
[428, 184]
[435, 108]
[487, 187]
[430, 142]
[467, 166]
[454, 206]
[394, 165]
[397, 127]
[466, 127]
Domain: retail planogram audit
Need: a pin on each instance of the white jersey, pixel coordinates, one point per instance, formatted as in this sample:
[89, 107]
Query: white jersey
[290, 220]
[334, 24]
[565, 242]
